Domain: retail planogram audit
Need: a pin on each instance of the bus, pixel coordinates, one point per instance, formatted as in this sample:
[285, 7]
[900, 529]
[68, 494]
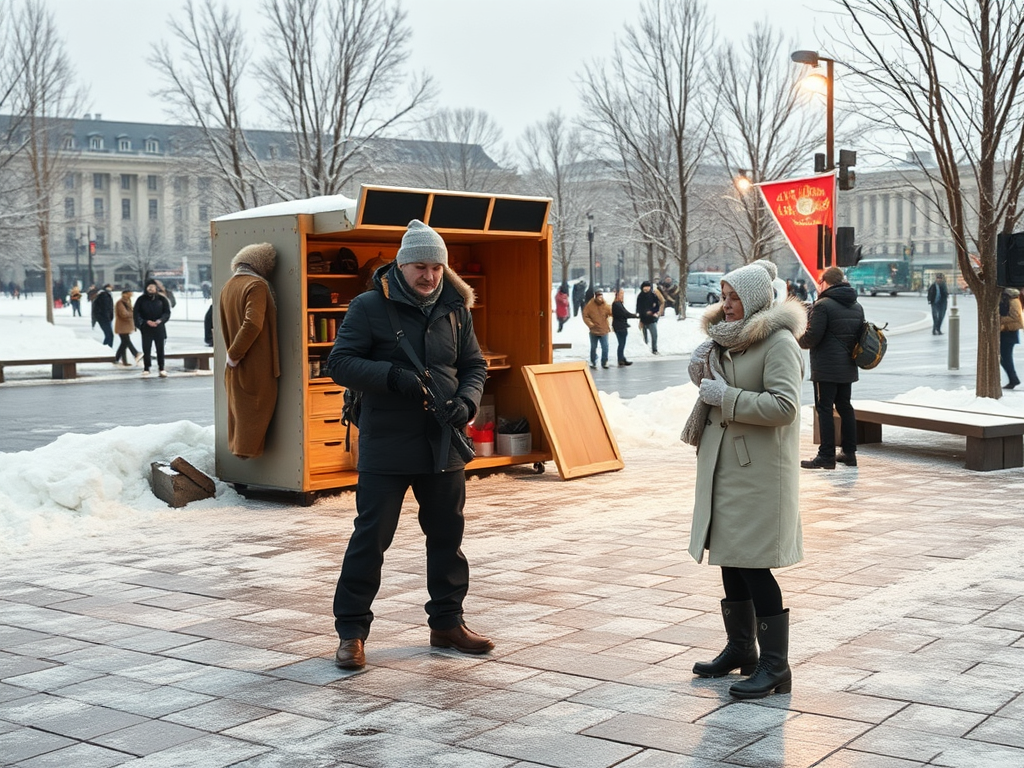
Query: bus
[874, 276]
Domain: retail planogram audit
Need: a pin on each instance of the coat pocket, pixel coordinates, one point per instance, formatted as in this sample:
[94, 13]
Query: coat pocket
[740, 444]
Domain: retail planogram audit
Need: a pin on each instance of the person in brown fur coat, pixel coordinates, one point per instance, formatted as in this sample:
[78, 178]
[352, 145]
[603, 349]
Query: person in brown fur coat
[248, 325]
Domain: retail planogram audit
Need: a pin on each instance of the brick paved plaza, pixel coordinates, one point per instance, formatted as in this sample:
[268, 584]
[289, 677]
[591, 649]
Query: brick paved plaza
[203, 638]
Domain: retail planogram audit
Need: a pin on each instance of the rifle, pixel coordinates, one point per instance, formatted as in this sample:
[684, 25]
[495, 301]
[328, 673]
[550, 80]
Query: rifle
[431, 398]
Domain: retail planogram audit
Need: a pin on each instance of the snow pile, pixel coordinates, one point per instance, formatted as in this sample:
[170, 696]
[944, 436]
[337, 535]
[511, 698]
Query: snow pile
[83, 484]
[962, 399]
[30, 338]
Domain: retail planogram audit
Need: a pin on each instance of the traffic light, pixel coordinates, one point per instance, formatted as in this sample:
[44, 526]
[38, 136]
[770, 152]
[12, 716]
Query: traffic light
[847, 178]
[92, 247]
[819, 162]
[1010, 260]
[847, 252]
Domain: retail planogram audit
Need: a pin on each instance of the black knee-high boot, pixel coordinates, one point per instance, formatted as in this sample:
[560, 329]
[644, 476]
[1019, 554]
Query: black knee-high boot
[740, 651]
[772, 674]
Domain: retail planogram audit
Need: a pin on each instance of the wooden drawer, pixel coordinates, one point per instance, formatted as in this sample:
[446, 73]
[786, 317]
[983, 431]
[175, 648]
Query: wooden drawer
[326, 456]
[325, 401]
[328, 428]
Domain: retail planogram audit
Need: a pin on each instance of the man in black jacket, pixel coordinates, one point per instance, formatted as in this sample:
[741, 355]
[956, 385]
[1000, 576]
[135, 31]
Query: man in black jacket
[938, 297]
[832, 330]
[103, 313]
[401, 444]
[648, 308]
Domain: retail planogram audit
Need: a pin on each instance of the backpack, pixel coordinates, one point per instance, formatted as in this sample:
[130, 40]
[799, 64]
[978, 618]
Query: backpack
[870, 347]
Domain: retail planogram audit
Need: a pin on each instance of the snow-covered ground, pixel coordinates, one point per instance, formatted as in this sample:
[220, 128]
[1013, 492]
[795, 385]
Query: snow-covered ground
[81, 485]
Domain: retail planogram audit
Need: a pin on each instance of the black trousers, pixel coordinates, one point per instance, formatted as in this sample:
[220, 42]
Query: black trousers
[826, 395]
[379, 499]
[1007, 341]
[149, 340]
[125, 347]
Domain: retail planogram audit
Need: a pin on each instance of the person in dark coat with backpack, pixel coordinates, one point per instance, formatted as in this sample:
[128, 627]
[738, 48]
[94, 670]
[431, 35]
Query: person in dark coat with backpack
[401, 444]
[832, 331]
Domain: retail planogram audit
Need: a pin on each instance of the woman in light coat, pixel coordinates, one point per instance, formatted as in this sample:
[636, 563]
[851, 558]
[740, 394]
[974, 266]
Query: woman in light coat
[124, 327]
[746, 426]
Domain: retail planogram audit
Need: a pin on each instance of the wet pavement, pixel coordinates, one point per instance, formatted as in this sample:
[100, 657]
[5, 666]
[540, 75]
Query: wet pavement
[206, 639]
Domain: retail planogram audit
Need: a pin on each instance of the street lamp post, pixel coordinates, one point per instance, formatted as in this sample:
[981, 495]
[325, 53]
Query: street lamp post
[813, 59]
[590, 240]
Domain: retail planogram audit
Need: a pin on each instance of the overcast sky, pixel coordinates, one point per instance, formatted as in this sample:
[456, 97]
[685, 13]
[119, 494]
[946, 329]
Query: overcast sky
[518, 60]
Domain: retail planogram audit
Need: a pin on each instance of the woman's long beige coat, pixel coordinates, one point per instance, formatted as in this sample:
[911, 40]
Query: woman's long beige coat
[746, 507]
[124, 312]
[248, 324]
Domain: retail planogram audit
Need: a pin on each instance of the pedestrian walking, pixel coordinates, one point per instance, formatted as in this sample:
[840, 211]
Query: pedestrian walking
[103, 313]
[746, 425]
[579, 292]
[938, 296]
[124, 326]
[152, 311]
[620, 324]
[648, 309]
[1010, 323]
[401, 444]
[248, 325]
[834, 326]
[597, 314]
[562, 305]
[75, 297]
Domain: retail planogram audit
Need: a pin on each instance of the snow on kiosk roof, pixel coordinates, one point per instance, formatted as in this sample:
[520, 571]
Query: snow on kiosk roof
[386, 208]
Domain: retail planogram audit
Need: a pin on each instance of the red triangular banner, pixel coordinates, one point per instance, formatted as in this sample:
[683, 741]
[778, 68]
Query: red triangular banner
[799, 206]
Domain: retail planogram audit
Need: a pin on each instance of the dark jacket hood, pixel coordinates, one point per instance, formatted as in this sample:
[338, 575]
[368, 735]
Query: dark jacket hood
[843, 293]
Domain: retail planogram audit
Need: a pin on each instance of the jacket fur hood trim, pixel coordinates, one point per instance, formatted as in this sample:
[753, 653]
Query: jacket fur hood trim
[468, 294]
[790, 315]
[261, 257]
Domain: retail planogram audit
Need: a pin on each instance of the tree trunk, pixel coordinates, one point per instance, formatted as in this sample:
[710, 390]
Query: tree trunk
[988, 371]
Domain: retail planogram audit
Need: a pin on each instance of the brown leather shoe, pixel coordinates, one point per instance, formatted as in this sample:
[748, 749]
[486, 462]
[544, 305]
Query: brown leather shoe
[350, 654]
[461, 638]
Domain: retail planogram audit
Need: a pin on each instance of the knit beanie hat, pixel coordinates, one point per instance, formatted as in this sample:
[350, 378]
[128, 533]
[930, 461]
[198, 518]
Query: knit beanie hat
[150, 282]
[754, 286]
[773, 270]
[645, 284]
[421, 244]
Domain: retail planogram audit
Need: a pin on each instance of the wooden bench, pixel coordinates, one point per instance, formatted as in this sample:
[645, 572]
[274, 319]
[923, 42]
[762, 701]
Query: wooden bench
[993, 441]
[67, 367]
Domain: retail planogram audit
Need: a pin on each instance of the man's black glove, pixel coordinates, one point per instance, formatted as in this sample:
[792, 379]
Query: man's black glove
[456, 412]
[405, 383]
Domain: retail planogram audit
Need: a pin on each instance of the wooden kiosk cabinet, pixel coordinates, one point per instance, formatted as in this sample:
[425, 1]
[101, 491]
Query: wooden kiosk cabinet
[327, 248]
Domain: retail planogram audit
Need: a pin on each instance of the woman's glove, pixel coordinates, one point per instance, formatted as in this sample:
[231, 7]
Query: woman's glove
[712, 391]
[697, 359]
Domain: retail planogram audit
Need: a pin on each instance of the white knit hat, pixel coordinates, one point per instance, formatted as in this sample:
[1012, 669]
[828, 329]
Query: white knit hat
[421, 244]
[754, 286]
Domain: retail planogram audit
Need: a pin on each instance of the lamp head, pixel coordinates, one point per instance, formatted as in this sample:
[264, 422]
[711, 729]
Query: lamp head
[810, 58]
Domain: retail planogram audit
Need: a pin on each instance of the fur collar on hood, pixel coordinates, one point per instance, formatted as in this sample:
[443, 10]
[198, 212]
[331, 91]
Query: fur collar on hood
[260, 257]
[380, 277]
[790, 315]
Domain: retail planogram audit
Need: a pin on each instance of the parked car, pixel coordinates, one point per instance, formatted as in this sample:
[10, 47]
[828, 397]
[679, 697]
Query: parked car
[703, 287]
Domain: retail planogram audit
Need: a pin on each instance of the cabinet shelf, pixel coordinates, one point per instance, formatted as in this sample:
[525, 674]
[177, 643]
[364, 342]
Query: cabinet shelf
[332, 308]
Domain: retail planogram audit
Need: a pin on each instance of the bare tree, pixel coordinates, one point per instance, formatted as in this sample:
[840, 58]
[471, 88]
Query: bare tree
[553, 155]
[205, 84]
[332, 73]
[762, 129]
[955, 86]
[645, 107]
[464, 151]
[45, 102]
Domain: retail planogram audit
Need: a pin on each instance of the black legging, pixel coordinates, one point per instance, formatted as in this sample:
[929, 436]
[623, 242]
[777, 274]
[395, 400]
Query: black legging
[757, 584]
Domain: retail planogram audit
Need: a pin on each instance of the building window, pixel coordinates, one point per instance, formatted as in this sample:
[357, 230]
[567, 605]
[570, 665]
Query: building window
[152, 210]
[179, 240]
[152, 146]
[126, 209]
[272, 151]
[97, 207]
[204, 183]
[124, 145]
[204, 213]
[69, 142]
[179, 214]
[101, 238]
[126, 181]
[71, 238]
[97, 181]
[69, 207]
[95, 142]
[151, 182]
[180, 184]
[69, 181]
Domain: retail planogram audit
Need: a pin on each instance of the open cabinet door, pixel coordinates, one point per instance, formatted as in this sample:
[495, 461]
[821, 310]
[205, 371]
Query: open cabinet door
[573, 420]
